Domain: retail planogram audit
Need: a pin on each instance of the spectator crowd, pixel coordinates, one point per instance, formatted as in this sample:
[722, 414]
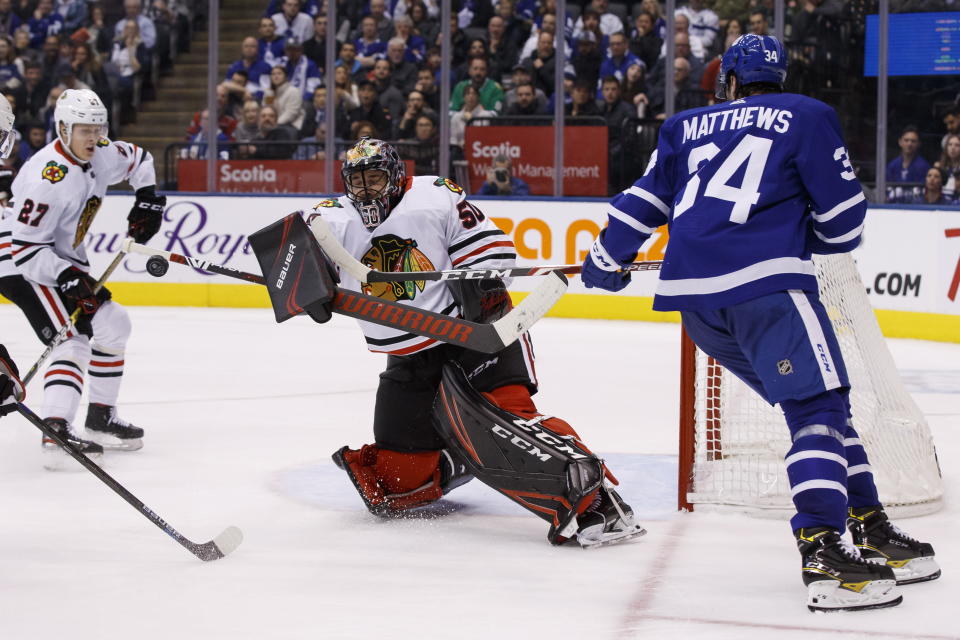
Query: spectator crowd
[272, 102]
[117, 49]
[503, 64]
[911, 179]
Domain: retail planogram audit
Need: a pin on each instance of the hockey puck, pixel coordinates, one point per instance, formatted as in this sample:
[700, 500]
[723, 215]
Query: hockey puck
[157, 266]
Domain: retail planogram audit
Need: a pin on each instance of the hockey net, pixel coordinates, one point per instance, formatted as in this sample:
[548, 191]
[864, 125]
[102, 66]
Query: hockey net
[732, 443]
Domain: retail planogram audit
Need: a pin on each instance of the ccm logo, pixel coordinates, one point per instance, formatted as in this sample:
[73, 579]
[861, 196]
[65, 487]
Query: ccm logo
[474, 275]
[520, 443]
[824, 358]
[286, 265]
[538, 433]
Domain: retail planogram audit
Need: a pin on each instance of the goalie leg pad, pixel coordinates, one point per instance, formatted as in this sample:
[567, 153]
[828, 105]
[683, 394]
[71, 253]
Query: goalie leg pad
[516, 399]
[390, 482]
[545, 471]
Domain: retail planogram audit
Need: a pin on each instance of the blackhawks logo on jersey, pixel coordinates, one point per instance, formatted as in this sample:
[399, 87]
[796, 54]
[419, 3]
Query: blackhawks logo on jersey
[449, 184]
[393, 253]
[86, 219]
[103, 142]
[328, 203]
[54, 172]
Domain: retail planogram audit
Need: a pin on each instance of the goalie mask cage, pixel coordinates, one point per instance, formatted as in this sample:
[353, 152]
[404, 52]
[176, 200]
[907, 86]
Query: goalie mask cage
[732, 443]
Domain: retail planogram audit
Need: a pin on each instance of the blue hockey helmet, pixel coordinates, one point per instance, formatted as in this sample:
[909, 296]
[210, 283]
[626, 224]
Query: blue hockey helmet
[752, 58]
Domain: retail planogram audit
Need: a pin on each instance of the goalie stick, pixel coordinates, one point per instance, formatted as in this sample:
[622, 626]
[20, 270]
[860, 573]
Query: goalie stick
[476, 336]
[71, 321]
[223, 544]
[332, 247]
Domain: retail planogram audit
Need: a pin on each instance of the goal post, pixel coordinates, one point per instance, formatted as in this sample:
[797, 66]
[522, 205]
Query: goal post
[732, 443]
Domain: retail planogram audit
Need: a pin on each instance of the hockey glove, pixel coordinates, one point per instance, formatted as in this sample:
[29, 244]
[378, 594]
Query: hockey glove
[146, 215]
[11, 389]
[78, 288]
[600, 269]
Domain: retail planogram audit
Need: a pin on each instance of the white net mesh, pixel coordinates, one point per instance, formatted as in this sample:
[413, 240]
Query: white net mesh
[740, 440]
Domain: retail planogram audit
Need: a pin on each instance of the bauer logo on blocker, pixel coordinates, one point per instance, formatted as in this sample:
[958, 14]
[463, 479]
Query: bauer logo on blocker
[286, 265]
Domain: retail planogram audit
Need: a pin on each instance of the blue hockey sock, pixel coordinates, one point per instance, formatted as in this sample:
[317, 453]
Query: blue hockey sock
[817, 462]
[861, 490]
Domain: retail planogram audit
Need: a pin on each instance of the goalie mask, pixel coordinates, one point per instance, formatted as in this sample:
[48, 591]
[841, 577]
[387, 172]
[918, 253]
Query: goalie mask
[373, 178]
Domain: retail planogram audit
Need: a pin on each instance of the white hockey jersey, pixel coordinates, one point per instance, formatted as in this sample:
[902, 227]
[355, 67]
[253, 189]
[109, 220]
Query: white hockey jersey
[55, 199]
[433, 228]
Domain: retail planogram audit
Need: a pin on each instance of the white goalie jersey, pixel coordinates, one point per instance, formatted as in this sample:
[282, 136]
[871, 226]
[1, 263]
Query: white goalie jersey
[55, 199]
[432, 228]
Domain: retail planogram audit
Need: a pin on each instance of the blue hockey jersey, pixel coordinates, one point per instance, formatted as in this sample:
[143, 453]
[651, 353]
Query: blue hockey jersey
[749, 189]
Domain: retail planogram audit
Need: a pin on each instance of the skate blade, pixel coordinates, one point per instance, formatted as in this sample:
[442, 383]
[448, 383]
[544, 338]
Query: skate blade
[915, 570]
[56, 459]
[114, 443]
[588, 541]
[828, 595]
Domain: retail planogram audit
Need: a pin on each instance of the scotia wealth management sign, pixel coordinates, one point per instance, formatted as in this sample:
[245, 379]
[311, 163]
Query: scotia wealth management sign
[530, 150]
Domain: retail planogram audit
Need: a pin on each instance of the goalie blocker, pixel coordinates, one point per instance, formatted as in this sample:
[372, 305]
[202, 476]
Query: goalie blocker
[297, 274]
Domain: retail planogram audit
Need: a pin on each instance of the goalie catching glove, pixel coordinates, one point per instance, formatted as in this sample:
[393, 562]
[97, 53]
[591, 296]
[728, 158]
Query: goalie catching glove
[146, 216]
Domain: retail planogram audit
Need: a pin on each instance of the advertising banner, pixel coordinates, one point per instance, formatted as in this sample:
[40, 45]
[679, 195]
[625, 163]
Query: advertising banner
[530, 150]
[909, 260]
[260, 176]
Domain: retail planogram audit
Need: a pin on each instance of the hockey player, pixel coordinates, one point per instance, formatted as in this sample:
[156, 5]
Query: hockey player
[44, 268]
[11, 389]
[750, 188]
[394, 223]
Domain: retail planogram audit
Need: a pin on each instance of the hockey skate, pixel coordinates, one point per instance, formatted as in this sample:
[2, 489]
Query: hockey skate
[608, 520]
[360, 467]
[882, 542]
[105, 427]
[54, 457]
[838, 579]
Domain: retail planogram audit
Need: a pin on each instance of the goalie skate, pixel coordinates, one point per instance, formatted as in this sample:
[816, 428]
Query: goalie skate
[838, 579]
[55, 458]
[609, 520]
[111, 431]
[880, 541]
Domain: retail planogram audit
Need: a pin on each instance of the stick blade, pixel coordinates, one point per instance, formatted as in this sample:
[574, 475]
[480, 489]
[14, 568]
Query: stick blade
[534, 306]
[221, 546]
[228, 541]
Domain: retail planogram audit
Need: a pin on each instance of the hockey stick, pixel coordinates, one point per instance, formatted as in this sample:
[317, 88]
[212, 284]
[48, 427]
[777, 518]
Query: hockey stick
[223, 544]
[486, 338]
[332, 247]
[71, 321]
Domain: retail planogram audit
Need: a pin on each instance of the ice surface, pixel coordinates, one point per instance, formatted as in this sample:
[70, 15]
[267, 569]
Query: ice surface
[241, 417]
